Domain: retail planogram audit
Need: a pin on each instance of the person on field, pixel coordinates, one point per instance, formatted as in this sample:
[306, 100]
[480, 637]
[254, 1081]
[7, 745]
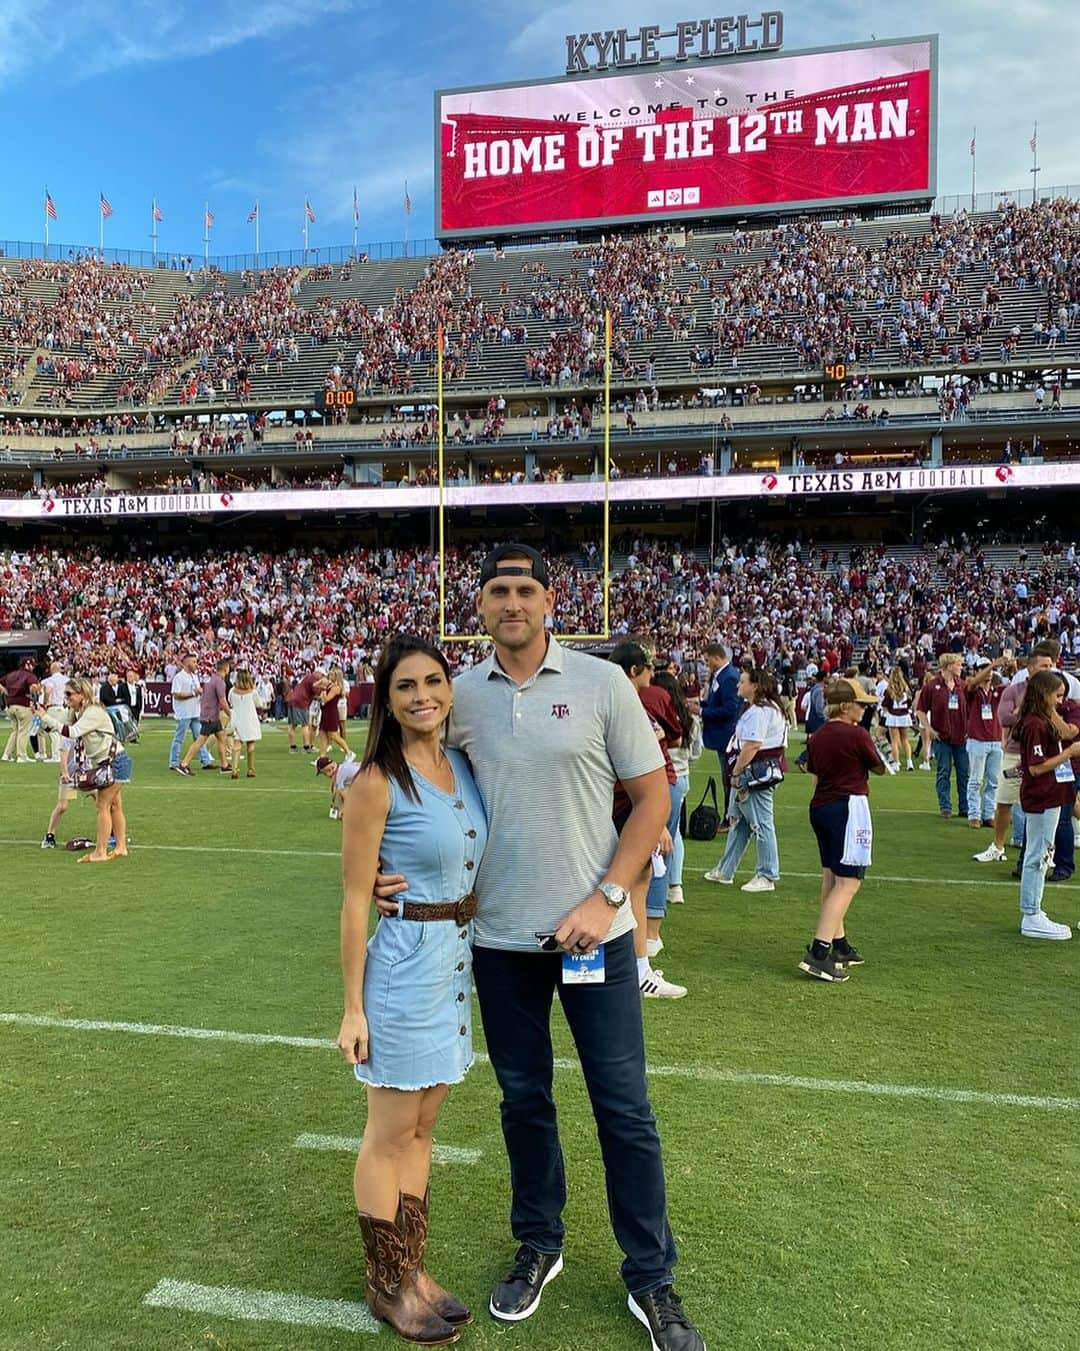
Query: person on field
[896, 701]
[87, 722]
[304, 694]
[245, 729]
[1048, 747]
[214, 714]
[66, 793]
[186, 693]
[406, 1027]
[842, 755]
[20, 687]
[548, 731]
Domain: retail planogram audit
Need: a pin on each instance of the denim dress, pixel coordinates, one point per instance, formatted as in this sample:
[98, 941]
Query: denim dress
[418, 976]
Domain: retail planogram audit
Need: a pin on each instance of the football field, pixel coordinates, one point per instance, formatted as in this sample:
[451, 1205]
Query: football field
[889, 1163]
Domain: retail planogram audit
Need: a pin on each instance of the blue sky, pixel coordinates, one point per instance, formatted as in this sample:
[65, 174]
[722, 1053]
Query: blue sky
[230, 101]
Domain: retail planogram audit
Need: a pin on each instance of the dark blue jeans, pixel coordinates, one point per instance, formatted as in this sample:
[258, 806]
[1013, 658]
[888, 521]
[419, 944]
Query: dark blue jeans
[1064, 849]
[945, 757]
[516, 990]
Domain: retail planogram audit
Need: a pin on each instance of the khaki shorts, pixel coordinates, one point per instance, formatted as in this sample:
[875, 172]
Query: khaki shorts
[1008, 790]
[68, 793]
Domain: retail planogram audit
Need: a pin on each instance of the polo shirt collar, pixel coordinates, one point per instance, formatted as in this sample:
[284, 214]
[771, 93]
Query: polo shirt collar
[553, 661]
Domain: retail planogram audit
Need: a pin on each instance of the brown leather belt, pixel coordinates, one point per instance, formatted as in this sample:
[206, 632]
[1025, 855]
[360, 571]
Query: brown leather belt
[459, 911]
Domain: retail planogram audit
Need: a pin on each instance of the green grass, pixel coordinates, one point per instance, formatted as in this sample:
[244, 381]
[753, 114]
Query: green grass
[806, 1219]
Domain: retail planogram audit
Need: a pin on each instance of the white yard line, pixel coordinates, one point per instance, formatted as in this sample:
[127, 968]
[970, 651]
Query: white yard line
[262, 1306]
[347, 1144]
[694, 1073]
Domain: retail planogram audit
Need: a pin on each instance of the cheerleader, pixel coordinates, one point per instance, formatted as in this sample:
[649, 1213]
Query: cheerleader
[896, 712]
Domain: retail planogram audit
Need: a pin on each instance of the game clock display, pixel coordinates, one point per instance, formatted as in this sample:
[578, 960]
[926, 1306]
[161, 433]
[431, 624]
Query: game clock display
[327, 400]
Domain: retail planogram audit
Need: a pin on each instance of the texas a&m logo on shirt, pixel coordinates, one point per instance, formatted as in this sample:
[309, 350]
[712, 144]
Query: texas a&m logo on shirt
[560, 711]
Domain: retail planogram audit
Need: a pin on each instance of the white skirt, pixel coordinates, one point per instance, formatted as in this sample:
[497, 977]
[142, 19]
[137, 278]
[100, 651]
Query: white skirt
[898, 720]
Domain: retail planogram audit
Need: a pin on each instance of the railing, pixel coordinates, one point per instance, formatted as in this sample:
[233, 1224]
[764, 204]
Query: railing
[947, 205]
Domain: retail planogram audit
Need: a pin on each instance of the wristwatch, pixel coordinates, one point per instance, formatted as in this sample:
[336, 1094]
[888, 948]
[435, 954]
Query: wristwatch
[615, 895]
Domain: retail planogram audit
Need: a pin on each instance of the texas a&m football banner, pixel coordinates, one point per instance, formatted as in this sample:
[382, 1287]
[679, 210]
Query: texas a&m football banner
[694, 138]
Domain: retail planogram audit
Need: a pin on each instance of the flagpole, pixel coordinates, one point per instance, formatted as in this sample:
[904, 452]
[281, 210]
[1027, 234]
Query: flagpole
[355, 223]
[974, 131]
[305, 228]
[206, 234]
[101, 229]
[405, 212]
[46, 207]
[257, 214]
[1035, 166]
[153, 227]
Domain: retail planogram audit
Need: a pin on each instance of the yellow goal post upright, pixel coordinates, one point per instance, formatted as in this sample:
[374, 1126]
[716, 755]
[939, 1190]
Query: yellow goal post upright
[444, 635]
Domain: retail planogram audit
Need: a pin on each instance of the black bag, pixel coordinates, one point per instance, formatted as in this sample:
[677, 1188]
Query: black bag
[705, 821]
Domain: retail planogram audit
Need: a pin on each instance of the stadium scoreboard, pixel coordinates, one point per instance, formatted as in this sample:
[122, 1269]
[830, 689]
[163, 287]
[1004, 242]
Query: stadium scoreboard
[759, 133]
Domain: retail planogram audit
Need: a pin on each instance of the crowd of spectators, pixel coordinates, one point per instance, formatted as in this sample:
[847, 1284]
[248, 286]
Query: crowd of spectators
[782, 604]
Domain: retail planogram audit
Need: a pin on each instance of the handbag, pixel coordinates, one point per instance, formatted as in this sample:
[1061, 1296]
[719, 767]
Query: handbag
[760, 774]
[705, 820]
[87, 777]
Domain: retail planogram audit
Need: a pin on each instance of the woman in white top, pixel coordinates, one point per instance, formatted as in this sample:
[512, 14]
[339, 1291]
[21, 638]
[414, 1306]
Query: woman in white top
[759, 741]
[245, 722]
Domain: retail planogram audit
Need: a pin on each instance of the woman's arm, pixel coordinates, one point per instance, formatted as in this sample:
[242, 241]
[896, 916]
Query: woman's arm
[747, 751]
[367, 803]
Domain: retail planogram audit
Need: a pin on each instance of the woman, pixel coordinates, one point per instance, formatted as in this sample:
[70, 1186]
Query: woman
[1047, 781]
[94, 729]
[330, 717]
[245, 722]
[406, 1027]
[842, 755]
[756, 749]
[896, 711]
[924, 746]
[683, 754]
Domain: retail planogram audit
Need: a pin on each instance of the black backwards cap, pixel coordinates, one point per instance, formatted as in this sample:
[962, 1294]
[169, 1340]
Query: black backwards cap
[518, 567]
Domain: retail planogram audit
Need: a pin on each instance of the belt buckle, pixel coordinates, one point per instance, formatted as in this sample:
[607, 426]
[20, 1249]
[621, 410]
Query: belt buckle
[461, 917]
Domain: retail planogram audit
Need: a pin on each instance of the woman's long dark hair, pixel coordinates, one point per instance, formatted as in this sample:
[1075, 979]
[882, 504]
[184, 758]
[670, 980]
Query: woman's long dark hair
[765, 688]
[666, 681]
[384, 748]
[1039, 695]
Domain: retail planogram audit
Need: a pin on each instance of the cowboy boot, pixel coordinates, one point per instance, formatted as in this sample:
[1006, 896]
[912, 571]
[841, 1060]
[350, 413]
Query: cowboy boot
[413, 1221]
[392, 1295]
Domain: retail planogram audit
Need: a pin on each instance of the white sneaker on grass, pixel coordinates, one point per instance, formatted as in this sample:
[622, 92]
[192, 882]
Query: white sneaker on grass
[758, 883]
[715, 875]
[1040, 925]
[675, 896]
[991, 854]
[654, 986]
[653, 946]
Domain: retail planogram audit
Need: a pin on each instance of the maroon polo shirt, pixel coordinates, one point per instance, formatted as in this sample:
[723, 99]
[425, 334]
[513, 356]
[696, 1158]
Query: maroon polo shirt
[983, 723]
[1039, 743]
[947, 709]
[17, 686]
[840, 755]
[661, 709]
[302, 693]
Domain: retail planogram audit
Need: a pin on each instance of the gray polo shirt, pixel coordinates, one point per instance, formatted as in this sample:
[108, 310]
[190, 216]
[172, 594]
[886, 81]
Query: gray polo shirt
[546, 755]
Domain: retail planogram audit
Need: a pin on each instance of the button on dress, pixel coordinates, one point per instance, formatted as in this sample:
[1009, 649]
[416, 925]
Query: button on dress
[418, 976]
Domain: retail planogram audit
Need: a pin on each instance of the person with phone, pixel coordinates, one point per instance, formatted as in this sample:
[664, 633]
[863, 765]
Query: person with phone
[548, 731]
[406, 1028]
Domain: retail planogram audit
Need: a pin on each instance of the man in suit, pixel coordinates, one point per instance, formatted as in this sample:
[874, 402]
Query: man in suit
[130, 691]
[720, 709]
[108, 690]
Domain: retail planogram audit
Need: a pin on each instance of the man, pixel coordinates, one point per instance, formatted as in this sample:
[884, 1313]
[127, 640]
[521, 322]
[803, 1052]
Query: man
[130, 691]
[814, 711]
[942, 714]
[52, 696]
[186, 693]
[548, 732]
[20, 686]
[983, 741]
[109, 690]
[299, 700]
[720, 710]
[213, 715]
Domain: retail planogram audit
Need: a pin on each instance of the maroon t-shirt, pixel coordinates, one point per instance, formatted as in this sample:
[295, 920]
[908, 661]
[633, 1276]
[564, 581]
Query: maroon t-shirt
[947, 709]
[302, 693]
[983, 723]
[661, 709]
[841, 755]
[17, 686]
[1039, 743]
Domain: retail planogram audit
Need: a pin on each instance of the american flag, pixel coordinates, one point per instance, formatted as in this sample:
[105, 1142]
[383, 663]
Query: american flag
[106, 209]
[408, 201]
[308, 211]
[1034, 142]
[973, 145]
[355, 208]
[157, 212]
[253, 214]
[50, 206]
[209, 218]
